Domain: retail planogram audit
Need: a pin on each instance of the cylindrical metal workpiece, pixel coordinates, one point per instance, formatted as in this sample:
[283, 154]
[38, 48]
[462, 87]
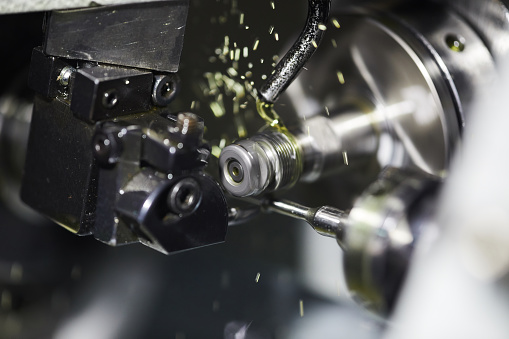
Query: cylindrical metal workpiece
[329, 144]
[273, 160]
[266, 162]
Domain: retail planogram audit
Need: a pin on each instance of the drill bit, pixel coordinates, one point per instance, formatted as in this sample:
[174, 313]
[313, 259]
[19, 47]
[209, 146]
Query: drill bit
[326, 220]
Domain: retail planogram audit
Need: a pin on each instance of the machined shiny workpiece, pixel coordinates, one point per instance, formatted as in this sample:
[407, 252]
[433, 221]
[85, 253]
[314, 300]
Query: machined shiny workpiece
[266, 162]
[269, 161]
[331, 144]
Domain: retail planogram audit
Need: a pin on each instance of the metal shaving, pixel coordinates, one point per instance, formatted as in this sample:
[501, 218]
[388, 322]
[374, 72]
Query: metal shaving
[341, 77]
[345, 158]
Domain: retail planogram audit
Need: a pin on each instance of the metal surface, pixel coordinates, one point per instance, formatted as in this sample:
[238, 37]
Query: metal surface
[185, 197]
[326, 220]
[383, 228]
[59, 181]
[44, 73]
[127, 178]
[491, 21]
[20, 6]
[272, 160]
[399, 71]
[255, 174]
[466, 71]
[293, 61]
[104, 92]
[168, 146]
[266, 162]
[166, 88]
[238, 215]
[167, 227]
[344, 141]
[107, 147]
[378, 235]
[458, 285]
[398, 90]
[64, 78]
[132, 183]
[365, 126]
[145, 35]
[160, 196]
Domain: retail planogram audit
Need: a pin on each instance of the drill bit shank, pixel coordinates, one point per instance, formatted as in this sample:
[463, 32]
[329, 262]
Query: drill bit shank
[326, 220]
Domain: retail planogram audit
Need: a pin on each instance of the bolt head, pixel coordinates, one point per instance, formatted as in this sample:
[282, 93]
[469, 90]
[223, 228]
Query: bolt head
[184, 197]
[110, 98]
[106, 148]
[65, 76]
[165, 89]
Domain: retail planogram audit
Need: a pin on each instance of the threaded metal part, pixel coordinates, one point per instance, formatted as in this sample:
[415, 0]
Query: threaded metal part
[286, 163]
[269, 161]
